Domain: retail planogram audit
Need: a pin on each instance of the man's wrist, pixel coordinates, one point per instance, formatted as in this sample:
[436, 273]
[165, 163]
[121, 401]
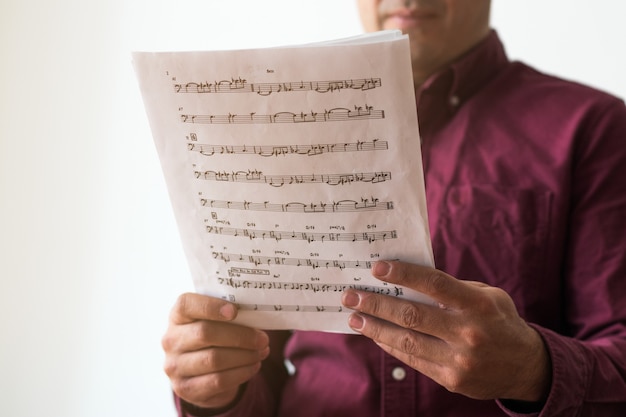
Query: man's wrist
[197, 411]
[540, 379]
[535, 378]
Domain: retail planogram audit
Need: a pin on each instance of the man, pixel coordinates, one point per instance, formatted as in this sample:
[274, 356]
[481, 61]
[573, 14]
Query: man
[527, 215]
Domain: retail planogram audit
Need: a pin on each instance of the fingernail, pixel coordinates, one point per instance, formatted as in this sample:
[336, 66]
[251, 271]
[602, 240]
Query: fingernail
[227, 311]
[351, 299]
[356, 322]
[381, 268]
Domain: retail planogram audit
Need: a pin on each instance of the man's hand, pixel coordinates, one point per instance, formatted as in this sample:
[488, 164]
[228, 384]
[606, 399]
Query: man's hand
[206, 357]
[472, 341]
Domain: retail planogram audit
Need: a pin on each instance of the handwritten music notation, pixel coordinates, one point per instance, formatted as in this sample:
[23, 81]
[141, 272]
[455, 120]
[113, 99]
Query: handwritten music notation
[277, 150]
[295, 308]
[343, 206]
[304, 236]
[277, 260]
[337, 114]
[255, 176]
[308, 286]
[290, 179]
[239, 85]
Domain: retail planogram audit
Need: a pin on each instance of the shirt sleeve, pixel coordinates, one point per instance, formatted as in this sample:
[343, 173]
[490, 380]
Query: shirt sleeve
[259, 397]
[589, 362]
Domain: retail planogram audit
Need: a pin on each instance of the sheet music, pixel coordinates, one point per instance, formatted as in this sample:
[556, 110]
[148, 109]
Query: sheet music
[291, 170]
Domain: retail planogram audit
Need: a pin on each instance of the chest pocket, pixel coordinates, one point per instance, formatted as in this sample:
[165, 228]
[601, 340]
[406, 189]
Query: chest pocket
[494, 234]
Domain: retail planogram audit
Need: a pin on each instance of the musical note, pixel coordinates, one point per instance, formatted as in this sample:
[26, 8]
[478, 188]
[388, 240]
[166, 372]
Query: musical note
[292, 308]
[310, 286]
[304, 236]
[255, 176]
[283, 150]
[343, 206]
[239, 85]
[278, 260]
[337, 114]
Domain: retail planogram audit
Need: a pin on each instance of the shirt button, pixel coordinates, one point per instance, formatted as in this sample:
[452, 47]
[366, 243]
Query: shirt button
[291, 368]
[398, 373]
[454, 101]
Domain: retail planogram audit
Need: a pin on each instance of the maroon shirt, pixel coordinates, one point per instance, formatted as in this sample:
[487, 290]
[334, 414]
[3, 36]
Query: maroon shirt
[525, 185]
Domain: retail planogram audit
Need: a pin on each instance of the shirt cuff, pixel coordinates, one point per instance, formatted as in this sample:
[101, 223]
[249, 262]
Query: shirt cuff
[189, 410]
[252, 397]
[570, 376]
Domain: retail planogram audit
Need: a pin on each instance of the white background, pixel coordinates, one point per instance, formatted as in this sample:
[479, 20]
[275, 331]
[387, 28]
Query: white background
[90, 260]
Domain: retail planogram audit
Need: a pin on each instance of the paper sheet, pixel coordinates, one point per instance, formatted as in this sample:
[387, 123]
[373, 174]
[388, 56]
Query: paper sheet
[291, 170]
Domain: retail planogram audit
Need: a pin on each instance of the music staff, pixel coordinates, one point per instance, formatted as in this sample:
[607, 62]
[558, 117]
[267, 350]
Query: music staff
[239, 85]
[308, 286]
[304, 236]
[277, 150]
[277, 260]
[290, 307]
[343, 206]
[255, 176]
[337, 114]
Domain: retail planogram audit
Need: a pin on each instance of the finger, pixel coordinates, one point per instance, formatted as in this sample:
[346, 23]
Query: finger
[414, 347]
[441, 287]
[212, 360]
[432, 370]
[428, 355]
[424, 318]
[203, 334]
[190, 307]
[477, 284]
[205, 390]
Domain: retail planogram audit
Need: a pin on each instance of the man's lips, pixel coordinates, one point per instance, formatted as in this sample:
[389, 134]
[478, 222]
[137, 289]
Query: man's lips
[405, 19]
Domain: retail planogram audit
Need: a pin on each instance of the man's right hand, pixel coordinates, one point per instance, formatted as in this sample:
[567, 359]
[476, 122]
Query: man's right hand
[207, 358]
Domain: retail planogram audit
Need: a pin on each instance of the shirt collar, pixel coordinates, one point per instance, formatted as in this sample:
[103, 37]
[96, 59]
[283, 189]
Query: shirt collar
[469, 73]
